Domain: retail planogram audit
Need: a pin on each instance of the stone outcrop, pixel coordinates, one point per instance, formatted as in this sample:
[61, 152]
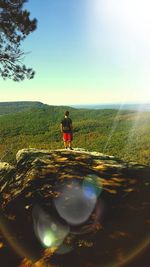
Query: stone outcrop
[6, 171]
[117, 225]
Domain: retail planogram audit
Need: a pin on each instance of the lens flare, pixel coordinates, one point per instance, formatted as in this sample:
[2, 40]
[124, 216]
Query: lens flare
[73, 205]
[50, 232]
[48, 239]
[92, 188]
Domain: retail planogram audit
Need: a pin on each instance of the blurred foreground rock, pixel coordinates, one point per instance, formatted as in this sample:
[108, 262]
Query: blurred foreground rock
[110, 238]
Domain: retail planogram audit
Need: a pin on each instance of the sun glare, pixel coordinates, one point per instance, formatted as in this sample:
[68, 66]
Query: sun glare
[124, 20]
[132, 14]
[120, 30]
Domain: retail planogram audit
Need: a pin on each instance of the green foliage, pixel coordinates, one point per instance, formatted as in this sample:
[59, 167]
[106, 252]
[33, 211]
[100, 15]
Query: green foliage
[124, 134]
[14, 107]
[15, 25]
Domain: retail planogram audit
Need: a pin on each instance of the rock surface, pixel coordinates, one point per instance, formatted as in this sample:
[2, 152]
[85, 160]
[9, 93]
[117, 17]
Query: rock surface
[119, 224]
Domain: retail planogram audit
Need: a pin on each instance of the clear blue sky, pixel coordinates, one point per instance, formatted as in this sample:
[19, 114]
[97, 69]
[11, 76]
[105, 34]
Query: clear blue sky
[86, 51]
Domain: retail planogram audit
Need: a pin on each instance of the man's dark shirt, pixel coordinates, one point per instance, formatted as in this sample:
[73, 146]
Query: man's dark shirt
[66, 125]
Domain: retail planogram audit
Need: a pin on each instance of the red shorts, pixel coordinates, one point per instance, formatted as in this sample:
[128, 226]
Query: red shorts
[67, 137]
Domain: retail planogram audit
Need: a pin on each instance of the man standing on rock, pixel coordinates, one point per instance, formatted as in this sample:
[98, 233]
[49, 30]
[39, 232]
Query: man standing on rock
[66, 129]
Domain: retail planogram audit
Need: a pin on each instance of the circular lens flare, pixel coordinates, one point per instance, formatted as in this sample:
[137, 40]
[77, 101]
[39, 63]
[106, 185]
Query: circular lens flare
[48, 230]
[48, 239]
[73, 205]
[92, 187]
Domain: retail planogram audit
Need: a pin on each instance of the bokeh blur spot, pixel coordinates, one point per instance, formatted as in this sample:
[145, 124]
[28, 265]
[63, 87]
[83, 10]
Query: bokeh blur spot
[50, 232]
[91, 186]
[74, 204]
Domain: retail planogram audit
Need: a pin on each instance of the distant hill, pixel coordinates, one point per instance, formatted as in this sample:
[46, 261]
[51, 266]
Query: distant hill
[122, 133]
[13, 107]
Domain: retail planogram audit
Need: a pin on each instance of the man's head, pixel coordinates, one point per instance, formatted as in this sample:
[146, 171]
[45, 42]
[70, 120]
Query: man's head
[67, 113]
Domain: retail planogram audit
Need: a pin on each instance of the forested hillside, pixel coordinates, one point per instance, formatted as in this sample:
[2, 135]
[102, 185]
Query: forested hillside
[124, 134]
[13, 107]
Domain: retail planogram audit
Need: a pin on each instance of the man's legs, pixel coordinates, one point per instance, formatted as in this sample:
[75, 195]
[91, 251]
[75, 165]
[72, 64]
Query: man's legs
[67, 137]
[65, 144]
[70, 141]
[69, 144]
[65, 140]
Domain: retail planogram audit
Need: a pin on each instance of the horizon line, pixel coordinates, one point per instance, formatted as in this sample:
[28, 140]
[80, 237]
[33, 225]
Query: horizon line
[81, 104]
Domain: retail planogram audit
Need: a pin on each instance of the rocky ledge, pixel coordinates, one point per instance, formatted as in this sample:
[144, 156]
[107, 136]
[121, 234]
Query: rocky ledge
[117, 224]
